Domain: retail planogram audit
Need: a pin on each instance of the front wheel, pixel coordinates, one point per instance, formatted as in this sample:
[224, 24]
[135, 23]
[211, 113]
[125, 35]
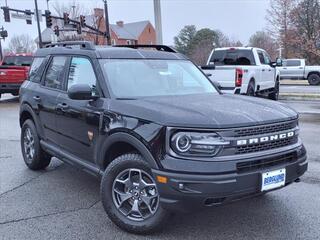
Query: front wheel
[314, 79]
[275, 93]
[251, 89]
[130, 195]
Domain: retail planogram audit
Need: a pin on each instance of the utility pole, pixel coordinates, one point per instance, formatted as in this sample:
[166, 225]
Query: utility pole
[158, 21]
[38, 23]
[48, 4]
[1, 55]
[106, 18]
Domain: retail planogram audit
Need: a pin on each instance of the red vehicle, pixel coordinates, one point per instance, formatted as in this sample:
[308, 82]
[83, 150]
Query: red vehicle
[14, 70]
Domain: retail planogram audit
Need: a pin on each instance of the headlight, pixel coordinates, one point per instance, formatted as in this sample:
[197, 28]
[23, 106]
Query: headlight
[197, 144]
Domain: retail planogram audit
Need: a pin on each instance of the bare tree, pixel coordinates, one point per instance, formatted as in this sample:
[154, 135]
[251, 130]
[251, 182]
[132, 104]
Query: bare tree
[225, 41]
[280, 23]
[306, 19]
[21, 44]
[262, 39]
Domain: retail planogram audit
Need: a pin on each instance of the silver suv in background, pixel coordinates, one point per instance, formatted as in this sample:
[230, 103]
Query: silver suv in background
[297, 69]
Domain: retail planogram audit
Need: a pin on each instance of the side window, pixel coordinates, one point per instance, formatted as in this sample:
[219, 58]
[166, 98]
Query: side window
[293, 63]
[34, 76]
[81, 72]
[266, 58]
[261, 57]
[53, 77]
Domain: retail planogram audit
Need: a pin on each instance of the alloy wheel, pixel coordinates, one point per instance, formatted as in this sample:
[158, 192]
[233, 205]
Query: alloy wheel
[28, 143]
[135, 194]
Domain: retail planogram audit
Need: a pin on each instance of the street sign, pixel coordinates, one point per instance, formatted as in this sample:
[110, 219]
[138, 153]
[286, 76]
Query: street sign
[21, 16]
[39, 14]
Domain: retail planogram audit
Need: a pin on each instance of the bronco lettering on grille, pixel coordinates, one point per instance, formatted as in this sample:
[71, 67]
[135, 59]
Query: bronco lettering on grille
[265, 139]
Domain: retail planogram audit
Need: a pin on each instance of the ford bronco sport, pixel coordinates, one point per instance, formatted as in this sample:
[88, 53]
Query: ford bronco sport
[157, 131]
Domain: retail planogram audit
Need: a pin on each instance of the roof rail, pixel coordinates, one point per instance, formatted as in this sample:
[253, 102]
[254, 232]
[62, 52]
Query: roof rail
[82, 44]
[163, 48]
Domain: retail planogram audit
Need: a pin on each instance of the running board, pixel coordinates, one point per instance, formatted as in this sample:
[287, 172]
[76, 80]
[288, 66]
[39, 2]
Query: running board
[71, 159]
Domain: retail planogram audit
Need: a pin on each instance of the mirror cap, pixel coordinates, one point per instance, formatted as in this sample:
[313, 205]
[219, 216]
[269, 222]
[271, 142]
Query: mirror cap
[80, 92]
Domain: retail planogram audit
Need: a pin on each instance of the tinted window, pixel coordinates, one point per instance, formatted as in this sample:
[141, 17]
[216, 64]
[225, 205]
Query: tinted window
[17, 60]
[232, 57]
[54, 78]
[267, 58]
[261, 57]
[81, 72]
[33, 76]
[292, 63]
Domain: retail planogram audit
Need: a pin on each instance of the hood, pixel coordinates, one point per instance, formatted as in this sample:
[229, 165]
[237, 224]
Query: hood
[205, 110]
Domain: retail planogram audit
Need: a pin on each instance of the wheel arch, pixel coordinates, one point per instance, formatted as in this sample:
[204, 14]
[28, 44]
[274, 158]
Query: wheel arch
[313, 72]
[121, 143]
[26, 112]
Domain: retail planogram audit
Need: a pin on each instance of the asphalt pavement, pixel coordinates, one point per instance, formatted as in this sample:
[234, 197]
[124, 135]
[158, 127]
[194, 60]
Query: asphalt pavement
[62, 202]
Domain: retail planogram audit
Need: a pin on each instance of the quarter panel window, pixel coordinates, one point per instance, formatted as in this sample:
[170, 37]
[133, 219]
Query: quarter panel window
[33, 76]
[54, 74]
[261, 58]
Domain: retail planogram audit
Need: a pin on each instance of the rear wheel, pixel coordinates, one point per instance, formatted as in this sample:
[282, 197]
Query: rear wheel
[251, 89]
[130, 195]
[275, 94]
[34, 156]
[314, 79]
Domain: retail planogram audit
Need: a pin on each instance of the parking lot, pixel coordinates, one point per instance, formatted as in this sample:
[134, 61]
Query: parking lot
[63, 203]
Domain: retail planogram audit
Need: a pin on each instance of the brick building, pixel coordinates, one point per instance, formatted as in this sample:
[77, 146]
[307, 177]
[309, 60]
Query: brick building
[121, 33]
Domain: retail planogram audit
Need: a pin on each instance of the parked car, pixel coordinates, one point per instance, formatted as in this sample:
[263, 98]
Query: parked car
[13, 71]
[157, 131]
[297, 69]
[244, 70]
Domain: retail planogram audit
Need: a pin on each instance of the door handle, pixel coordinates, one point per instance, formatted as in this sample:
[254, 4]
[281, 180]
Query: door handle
[284, 68]
[37, 98]
[263, 70]
[300, 67]
[269, 70]
[62, 107]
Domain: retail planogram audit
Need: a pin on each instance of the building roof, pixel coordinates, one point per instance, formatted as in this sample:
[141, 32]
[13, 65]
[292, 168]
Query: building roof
[129, 30]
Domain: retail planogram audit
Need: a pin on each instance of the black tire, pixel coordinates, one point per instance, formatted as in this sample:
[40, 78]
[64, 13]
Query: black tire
[154, 222]
[39, 159]
[275, 94]
[251, 89]
[314, 79]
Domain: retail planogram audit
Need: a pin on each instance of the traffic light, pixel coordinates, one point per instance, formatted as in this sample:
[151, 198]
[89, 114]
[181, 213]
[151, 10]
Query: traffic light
[3, 34]
[79, 29]
[6, 14]
[28, 13]
[47, 13]
[66, 18]
[56, 30]
[82, 21]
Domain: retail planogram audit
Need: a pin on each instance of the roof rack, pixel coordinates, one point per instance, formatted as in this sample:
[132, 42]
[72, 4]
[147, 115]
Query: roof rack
[82, 44]
[163, 48]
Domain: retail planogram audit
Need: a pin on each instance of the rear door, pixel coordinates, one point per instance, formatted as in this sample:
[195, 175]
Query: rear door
[78, 120]
[294, 68]
[46, 96]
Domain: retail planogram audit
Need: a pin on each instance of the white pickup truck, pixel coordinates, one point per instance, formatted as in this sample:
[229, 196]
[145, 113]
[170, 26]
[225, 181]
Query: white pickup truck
[297, 69]
[243, 70]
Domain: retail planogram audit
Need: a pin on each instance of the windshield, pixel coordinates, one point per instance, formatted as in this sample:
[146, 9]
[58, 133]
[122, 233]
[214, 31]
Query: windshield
[17, 60]
[143, 78]
[232, 56]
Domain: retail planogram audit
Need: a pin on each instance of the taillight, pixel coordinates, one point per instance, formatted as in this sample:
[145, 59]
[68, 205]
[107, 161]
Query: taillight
[239, 75]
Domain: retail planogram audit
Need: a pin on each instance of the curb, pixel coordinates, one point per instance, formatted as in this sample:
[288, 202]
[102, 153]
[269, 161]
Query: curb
[294, 82]
[299, 96]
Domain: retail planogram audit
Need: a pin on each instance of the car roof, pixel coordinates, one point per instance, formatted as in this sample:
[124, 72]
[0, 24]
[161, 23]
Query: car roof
[111, 52]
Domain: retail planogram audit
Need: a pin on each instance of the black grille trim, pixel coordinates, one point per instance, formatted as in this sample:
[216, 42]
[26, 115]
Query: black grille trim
[266, 146]
[266, 163]
[265, 129]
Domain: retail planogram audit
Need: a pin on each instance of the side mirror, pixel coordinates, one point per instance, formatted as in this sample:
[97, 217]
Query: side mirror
[80, 92]
[278, 62]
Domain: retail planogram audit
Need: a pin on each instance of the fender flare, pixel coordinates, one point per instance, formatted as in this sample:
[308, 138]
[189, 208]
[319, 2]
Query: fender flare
[27, 108]
[127, 138]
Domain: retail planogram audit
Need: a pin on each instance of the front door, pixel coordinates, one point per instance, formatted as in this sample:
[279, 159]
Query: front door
[78, 120]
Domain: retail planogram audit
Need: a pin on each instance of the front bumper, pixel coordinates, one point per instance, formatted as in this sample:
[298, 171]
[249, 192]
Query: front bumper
[186, 191]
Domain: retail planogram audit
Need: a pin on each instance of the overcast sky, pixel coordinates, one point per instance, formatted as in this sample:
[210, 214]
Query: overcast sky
[239, 19]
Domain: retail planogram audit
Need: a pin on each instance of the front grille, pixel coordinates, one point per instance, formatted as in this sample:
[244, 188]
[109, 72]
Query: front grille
[277, 127]
[266, 146]
[265, 163]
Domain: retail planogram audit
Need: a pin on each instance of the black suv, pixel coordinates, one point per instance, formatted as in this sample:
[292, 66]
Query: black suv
[157, 131]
